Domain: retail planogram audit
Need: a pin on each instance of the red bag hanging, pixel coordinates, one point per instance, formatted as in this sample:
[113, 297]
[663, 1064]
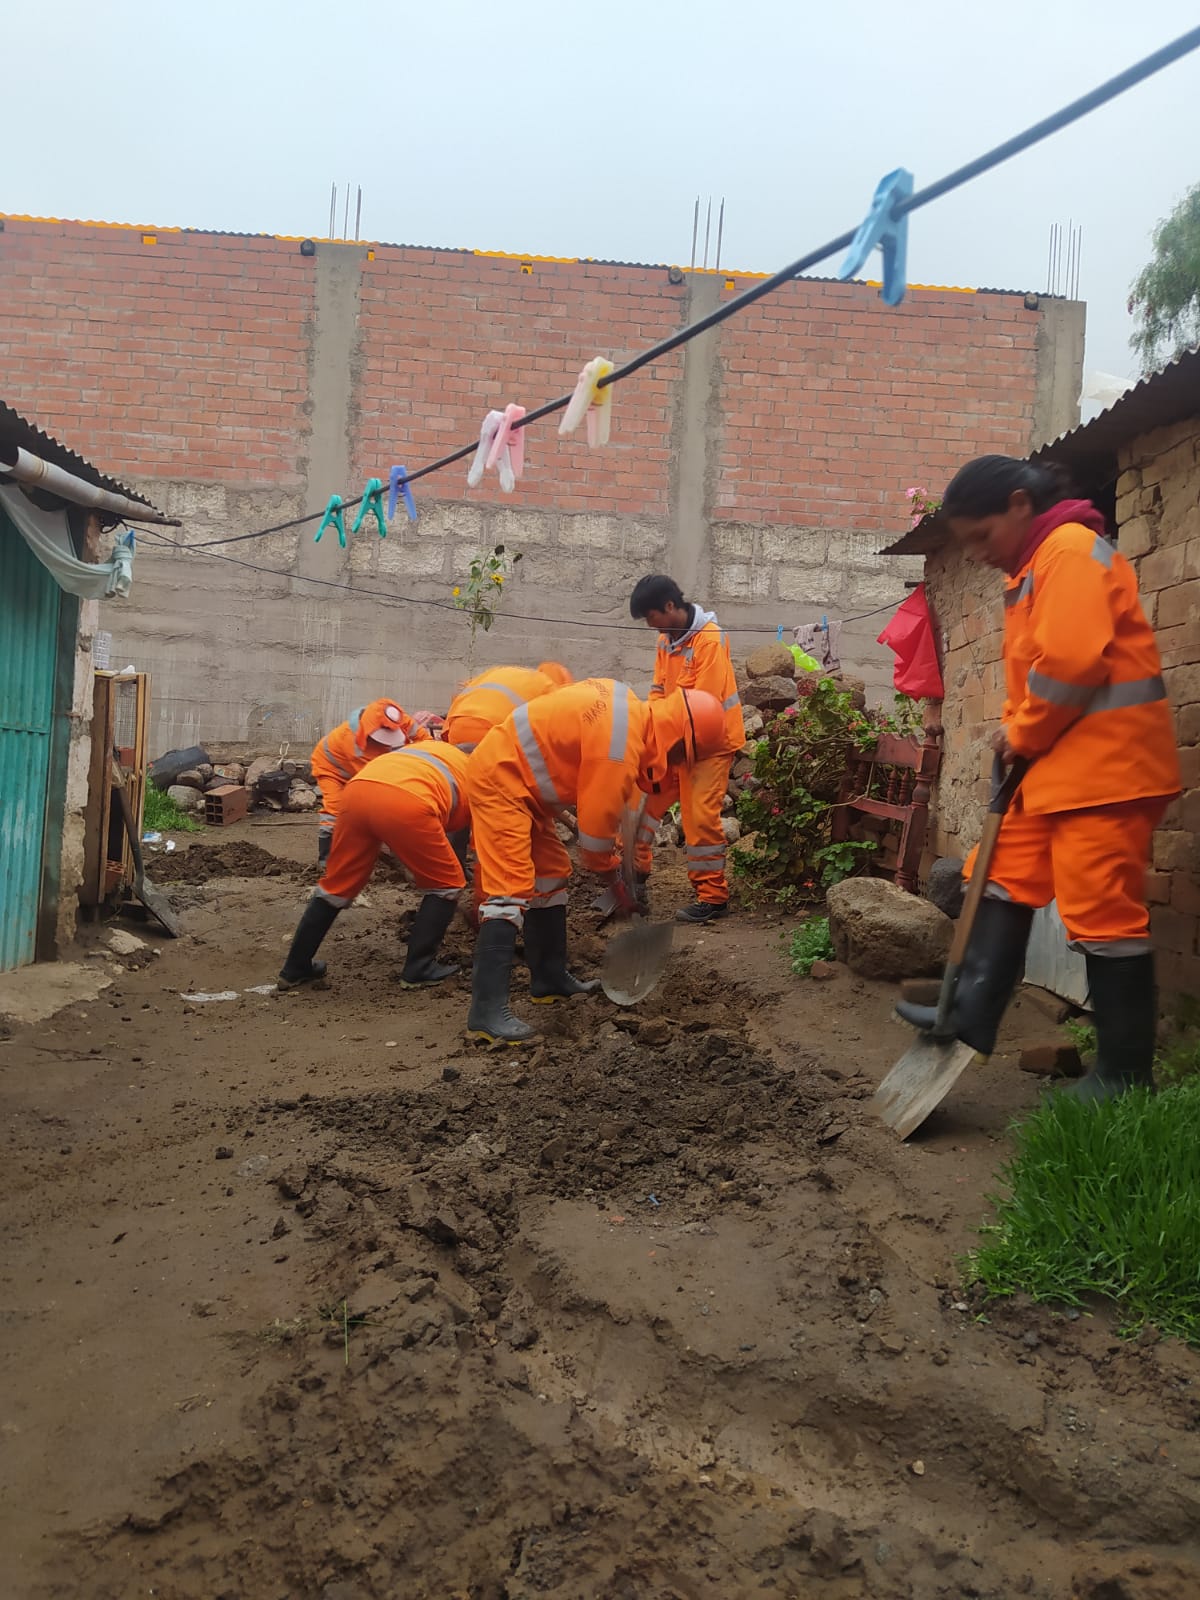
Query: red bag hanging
[910, 635]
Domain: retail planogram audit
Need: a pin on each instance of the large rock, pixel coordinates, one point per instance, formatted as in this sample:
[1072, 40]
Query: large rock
[771, 661]
[192, 779]
[752, 722]
[770, 694]
[881, 931]
[301, 798]
[258, 767]
[185, 797]
[945, 886]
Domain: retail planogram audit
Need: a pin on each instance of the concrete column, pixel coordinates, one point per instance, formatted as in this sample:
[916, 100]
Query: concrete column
[331, 392]
[1059, 369]
[689, 550]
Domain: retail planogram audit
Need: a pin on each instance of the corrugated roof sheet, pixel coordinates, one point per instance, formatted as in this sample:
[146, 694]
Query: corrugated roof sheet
[1089, 451]
[18, 430]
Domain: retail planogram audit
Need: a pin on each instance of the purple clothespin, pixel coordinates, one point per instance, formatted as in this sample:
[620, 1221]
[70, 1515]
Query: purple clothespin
[398, 485]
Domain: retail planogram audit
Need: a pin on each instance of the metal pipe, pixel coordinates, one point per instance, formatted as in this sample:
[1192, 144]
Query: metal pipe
[695, 231]
[20, 465]
[720, 231]
[358, 213]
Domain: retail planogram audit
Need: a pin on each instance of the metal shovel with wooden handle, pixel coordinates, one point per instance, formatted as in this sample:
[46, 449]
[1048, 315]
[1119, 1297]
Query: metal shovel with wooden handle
[155, 902]
[929, 1069]
[634, 961]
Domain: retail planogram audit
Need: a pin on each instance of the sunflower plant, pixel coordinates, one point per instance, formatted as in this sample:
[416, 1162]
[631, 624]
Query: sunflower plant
[480, 592]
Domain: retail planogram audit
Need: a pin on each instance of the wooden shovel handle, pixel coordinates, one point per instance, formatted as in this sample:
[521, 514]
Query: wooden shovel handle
[1004, 787]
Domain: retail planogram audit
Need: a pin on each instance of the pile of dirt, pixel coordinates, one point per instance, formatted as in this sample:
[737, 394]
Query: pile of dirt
[233, 858]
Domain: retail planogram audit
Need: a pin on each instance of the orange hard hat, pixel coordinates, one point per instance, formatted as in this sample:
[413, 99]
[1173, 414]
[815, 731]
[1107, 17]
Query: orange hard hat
[556, 672]
[706, 722]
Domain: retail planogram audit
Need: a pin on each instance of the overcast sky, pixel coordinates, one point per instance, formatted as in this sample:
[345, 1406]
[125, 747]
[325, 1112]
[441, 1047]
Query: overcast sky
[560, 127]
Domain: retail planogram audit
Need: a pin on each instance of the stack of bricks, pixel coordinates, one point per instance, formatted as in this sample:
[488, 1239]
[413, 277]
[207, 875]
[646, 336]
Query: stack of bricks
[1158, 514]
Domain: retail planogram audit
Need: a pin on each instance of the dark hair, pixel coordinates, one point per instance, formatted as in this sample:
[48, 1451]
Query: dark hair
[654, 593]
[984, 486]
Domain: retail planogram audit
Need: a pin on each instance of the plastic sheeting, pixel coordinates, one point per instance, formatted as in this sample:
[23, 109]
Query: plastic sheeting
[48, 536]
[909, 635]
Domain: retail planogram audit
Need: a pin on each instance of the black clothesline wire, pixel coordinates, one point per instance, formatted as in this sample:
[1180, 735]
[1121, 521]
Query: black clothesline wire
[387, 597]
[1062, 118]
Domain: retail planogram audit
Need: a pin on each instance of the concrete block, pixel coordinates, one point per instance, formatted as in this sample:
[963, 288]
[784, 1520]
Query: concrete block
[587, 531]
[739, 580]
[1136, 538]
[858, 551]
[804, 585]
[1175, 851]
[423, 559]
[796, 547]
[734, 541]
[1178, 605]
[1183, 684]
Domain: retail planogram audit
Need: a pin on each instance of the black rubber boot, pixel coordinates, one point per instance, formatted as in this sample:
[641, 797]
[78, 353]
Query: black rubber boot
[421, 967]
[490, 1017]
[703, 911]
[319, 916]
[546, 953]
[991, 970]
[324, 840]
[1125, 1006]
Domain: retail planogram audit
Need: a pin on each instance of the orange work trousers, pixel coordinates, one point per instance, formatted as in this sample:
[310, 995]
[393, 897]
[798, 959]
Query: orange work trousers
[1092, 861]
[701, 793]
[519, 859]
[376, 814]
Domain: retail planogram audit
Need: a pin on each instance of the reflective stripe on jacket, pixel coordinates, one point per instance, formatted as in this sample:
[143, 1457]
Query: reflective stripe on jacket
[1085, 697]
[700, 659]
[485, 701]
[436, 771]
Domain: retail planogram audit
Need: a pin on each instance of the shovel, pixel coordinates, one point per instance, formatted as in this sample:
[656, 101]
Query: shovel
[634, 960]
[155, 902]
[929, 1069]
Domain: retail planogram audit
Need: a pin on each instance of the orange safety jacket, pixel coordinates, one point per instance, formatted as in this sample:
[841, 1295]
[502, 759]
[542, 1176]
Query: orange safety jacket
[1085, 698]
[589, 746]
[347, 748]
[434, 771]
[700, 659]
[484, 702]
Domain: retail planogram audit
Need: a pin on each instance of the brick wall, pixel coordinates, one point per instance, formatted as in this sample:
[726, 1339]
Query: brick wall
[240, 383]
[1158, 513]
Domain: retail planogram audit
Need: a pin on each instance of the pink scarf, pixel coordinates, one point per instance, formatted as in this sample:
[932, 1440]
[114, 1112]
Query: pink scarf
[1057, 516]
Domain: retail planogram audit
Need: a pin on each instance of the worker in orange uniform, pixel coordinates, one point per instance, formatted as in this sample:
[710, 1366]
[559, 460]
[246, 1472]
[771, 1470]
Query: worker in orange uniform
[409, 800]
[591, 746]
[693, 653]
[367, 733]
[484, 702]
[1086, 706]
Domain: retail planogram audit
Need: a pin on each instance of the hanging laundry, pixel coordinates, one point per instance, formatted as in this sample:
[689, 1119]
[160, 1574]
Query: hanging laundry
[591, 402]
[910, 635]
[820, 640]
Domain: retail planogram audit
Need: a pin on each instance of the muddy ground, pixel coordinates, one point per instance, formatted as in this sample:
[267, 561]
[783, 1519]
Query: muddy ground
[304, 1296]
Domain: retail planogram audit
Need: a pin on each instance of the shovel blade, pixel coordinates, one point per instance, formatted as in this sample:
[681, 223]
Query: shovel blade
[920, 1081]
[157, 904]
[634, 961]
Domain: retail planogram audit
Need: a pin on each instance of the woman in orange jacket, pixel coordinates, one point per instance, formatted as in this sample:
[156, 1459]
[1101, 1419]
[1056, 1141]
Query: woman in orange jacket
[346, 749]
[592, 746]
[408, 800]
[1086, 706]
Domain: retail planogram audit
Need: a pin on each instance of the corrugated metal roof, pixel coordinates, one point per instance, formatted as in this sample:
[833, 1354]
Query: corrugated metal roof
[1089, 451]
[18, 430]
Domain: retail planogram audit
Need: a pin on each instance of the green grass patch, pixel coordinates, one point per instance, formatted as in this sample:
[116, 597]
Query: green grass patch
[810, 942]
[160, 814]
[1103, 1200]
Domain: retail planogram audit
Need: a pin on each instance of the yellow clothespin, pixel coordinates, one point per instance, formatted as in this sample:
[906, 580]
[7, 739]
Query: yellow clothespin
[591, 402]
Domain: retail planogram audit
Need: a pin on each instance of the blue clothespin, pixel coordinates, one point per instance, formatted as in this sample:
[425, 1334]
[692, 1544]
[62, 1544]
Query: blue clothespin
[371, 505]
[881, 227]
[779, 634]
[398, 485]
[334, 517]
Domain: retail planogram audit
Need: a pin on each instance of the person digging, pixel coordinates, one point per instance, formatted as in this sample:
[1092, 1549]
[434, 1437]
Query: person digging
[1087, 708]
[592, 746]
[408, 800]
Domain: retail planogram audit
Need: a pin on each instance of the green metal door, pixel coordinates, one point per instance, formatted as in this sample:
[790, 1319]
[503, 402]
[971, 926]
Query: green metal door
[29, 612]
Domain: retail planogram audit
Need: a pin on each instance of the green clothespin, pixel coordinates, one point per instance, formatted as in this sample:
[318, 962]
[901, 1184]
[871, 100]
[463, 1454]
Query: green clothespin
[335, 517]
[372, 505]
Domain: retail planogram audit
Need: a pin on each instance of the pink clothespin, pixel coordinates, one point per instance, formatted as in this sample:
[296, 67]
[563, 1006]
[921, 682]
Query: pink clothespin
[591, 402]
[508, 449]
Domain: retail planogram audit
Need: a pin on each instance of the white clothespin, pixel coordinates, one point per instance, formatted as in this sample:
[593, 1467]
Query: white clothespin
[507, 454]
[487, 432]
[591, 402]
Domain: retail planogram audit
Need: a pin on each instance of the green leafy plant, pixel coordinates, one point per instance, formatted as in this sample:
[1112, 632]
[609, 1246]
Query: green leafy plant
[786, 801]
[1178, 1060]
[1081, 1034]
[1103, 1200]
[480, 592]
[905, 719]
[837, 862]
[161, 814]
[810, 942]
